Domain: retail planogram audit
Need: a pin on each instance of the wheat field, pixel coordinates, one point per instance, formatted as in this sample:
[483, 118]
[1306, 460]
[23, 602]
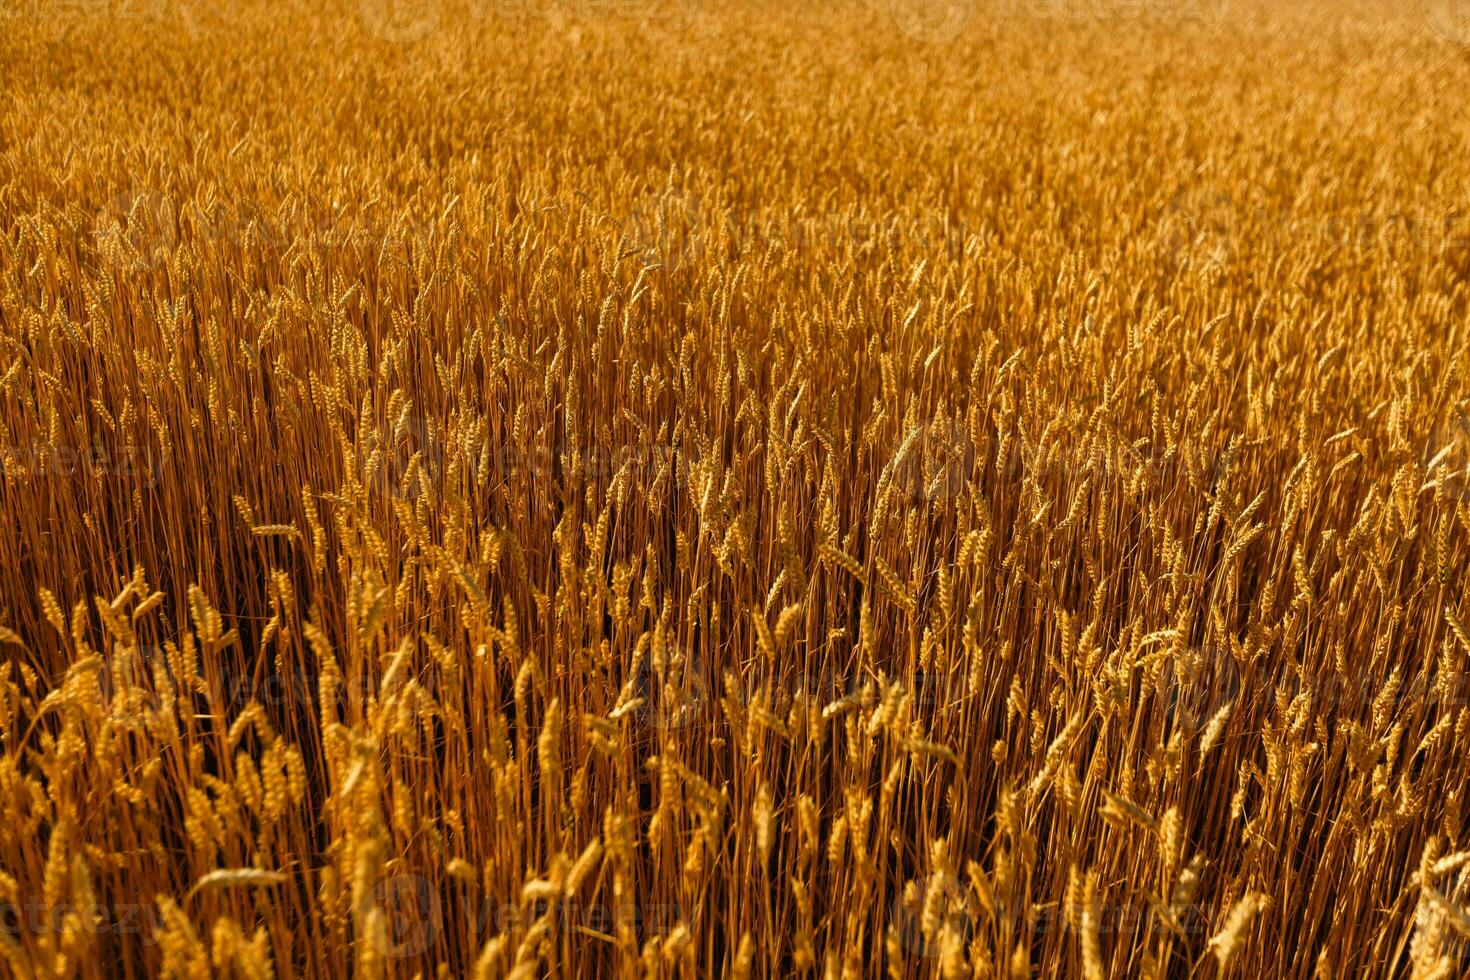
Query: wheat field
[578, 488]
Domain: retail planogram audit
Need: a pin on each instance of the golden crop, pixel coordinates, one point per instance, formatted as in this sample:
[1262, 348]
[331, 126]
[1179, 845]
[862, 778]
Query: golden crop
[646, 487]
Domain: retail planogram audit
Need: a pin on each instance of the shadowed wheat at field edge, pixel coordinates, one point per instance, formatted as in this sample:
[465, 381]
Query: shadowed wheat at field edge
[971, 489]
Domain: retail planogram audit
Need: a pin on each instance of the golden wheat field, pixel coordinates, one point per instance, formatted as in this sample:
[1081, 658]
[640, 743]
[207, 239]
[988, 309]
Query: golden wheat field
[580, 488]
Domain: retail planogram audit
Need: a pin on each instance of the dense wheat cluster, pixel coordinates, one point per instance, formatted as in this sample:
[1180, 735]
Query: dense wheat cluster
[571, 489]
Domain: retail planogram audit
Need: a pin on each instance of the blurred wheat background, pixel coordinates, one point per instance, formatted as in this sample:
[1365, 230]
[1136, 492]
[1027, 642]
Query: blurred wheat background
[559, 488]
